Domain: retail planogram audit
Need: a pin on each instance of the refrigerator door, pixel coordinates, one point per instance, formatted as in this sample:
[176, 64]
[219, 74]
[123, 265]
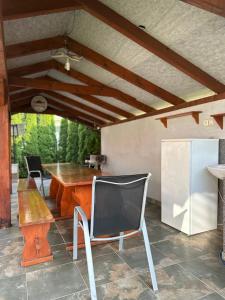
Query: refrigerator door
[175, 184]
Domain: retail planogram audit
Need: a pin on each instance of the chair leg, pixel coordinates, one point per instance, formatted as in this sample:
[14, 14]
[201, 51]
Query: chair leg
[42, 187]
[75, 234]
[91, 275]
[121, 241]
[149, 257]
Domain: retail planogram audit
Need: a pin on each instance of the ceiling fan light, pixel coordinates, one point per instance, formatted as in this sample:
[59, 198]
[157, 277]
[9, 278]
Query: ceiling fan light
[67, 65]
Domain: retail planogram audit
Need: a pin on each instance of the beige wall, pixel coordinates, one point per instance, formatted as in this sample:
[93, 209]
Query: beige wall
[135, 146]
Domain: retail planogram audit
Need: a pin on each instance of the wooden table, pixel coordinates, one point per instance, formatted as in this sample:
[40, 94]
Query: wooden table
[71, 185]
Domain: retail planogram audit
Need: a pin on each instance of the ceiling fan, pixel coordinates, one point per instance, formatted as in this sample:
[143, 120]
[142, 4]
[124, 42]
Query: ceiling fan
[67, 55]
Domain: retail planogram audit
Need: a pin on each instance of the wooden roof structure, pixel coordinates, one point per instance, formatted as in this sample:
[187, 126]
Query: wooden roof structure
[80, 96]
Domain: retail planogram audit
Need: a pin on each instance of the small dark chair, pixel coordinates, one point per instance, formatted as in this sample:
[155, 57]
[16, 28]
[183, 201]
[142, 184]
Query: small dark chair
[34, 169]
[118, 206]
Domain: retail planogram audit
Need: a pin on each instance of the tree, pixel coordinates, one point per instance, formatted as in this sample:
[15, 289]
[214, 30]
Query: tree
[63, 135]
[72, 143]
[47, 143]
[89, 142]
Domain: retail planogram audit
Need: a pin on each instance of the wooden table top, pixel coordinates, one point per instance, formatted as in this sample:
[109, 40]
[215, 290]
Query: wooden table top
[71, 174]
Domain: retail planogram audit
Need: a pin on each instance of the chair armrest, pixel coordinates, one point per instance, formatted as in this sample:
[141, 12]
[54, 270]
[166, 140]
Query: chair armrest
[81, 213]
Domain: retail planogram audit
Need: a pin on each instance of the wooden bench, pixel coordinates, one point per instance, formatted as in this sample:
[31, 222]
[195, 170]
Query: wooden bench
[26, 184]
[35, 219]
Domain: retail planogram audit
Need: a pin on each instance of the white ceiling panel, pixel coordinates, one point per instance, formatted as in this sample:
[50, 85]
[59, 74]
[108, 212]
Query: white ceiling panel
[35, 28]
[193, 33]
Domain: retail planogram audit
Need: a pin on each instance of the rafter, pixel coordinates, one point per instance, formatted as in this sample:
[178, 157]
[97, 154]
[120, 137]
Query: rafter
[82, 106]
[122, 72]
[98, 59]
[53, 85]
[52, 64]
[16, 9]
[72, 111]
[122, 25]
[33, 47]
[18, 96]
[213, 6]
[69, 111]
[200, 101]
[31, 69]
[90, 81]
[52, 111]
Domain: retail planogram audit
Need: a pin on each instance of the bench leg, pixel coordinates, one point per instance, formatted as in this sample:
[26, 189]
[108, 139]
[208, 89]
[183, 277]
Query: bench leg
[36, 247]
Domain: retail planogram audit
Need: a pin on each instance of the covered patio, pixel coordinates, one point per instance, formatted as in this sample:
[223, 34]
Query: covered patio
[143, 73]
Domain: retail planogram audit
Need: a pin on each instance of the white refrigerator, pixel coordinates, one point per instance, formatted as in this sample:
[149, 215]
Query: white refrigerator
[189, 193]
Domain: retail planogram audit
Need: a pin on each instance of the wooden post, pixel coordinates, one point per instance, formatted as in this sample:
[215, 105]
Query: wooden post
[5, 169]
[5, 210]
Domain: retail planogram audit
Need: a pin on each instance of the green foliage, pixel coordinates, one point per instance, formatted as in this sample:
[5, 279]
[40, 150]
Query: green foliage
[89, 142]
[76, 141]
[63, 135]
[72, 143]
[39, 139]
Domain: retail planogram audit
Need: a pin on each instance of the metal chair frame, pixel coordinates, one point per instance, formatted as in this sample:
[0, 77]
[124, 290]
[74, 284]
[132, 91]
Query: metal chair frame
[89, 237]
[40, 175]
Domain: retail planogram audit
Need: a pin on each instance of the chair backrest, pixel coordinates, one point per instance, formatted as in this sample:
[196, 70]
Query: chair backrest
[33, 163]
[118, 203]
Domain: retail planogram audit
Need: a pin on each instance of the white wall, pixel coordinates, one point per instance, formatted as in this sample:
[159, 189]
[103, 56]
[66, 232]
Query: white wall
[135, 146]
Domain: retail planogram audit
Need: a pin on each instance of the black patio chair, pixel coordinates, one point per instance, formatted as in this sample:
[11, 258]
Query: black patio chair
[118, 206]
[35, 170]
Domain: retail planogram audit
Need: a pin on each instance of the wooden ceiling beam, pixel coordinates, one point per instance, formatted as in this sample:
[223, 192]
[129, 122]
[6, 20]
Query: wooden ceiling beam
[53, 85]
[105, 105]
[188, 104]
[33, 47]
[131, 31]
[70, 111]
[52, 64]
[214, 6]
[98, 59]
[51, 111]
[31, 69]
[17, 9]
[73, 111]
[122, 72]
[82, 106]
[22, 95]
[125, 98]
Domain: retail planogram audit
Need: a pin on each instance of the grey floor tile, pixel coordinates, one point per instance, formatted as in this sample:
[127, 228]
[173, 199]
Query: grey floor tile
[129, 243]
[70, 297]
[97, 250]
[136, 258]
[209, 269]
[63, 224]
[10, 266]
[13, 288]
[180, 248]
[10, 233]
[213, 296]
[161, 232]
[177, 284]
[55, 282]
[11, 246]
[107, 268]
[67, 234]
[124, 289]
[60, 256]
[54, 237]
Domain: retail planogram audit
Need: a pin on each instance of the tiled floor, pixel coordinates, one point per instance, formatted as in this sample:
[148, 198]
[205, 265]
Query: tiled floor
[187, 267]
